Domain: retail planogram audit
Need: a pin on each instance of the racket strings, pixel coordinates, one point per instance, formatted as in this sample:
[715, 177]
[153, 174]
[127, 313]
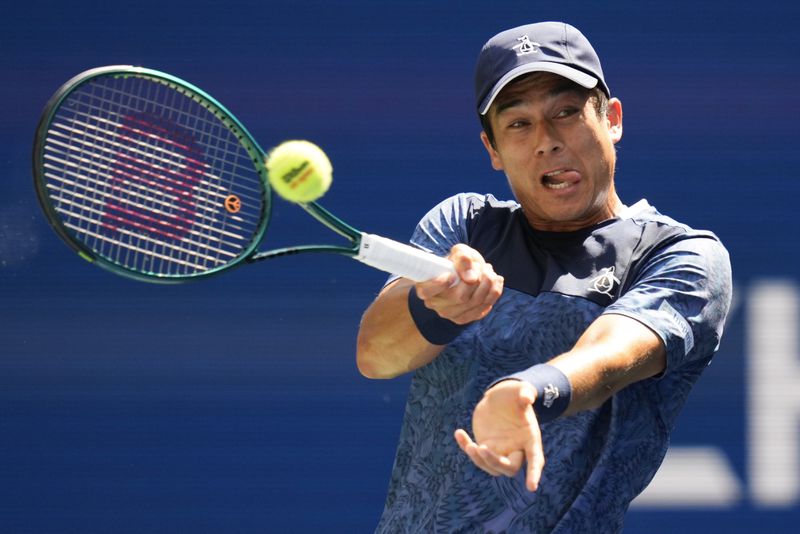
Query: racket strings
[145, 181]
[143, 174]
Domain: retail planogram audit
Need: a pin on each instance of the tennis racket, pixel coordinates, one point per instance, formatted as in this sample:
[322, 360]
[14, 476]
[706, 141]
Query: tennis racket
[149, 177]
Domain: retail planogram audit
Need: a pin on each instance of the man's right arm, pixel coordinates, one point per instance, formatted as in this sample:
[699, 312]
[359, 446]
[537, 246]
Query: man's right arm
[390, 343]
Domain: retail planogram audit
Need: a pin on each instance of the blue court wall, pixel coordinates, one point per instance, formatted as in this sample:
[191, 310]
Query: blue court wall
[234, 405]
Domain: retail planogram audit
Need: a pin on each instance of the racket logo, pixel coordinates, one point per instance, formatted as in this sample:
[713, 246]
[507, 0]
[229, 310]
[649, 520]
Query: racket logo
[152, 192]
[233, 204]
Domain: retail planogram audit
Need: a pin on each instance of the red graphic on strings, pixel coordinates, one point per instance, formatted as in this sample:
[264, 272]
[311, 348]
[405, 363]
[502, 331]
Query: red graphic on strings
[154, 174]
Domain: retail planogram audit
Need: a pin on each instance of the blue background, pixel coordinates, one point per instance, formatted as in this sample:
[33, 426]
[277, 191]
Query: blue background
[234, 404]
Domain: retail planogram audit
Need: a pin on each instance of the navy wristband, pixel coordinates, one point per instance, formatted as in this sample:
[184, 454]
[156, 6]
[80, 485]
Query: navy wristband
[553, 390]
[434, 328]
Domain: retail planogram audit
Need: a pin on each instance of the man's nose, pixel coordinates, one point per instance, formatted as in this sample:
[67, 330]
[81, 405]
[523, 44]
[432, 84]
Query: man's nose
[546, 140]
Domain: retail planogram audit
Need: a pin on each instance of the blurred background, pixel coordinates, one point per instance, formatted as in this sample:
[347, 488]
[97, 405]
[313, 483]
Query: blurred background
[234, 404]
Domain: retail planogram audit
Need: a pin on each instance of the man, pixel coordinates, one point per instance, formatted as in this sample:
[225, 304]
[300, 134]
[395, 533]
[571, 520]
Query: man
[574, 326]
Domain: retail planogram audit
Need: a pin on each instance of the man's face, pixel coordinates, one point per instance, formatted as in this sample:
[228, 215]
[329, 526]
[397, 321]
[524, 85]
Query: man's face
[556, 151]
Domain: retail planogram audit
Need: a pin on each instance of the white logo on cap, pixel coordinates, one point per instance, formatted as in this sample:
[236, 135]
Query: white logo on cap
[526, 46]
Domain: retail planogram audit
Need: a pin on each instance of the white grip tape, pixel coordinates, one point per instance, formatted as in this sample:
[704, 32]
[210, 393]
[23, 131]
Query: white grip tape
[398, 258]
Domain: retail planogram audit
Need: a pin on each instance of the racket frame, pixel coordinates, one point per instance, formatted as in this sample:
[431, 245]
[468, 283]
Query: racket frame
[372, 250]
[251, 146]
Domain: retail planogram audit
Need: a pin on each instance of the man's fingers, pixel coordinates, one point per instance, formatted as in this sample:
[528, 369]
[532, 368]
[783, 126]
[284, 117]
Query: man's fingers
[488, 290]
[501, 465]
[435, 286]
[474, 452]
[466, 303]
[468, 263]
[527, 396]
[463, 439]
[516, 460]
[486, 460]
[469, 300]
[492, 463]
[534, 456]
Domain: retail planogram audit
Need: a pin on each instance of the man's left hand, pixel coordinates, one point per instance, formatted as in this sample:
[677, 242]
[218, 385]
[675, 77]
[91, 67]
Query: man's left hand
[506, 433]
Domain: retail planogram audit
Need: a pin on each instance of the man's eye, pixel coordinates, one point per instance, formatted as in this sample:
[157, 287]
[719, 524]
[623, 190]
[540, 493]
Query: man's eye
[566, 112]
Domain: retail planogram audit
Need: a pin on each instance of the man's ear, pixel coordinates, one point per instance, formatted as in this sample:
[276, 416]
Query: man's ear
[494, 156]
[614, 118]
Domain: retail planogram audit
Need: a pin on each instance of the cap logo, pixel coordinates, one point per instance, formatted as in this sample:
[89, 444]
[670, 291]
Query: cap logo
[526, 46]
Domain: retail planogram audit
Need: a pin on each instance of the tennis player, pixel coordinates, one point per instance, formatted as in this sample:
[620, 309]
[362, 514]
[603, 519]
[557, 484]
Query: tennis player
[549, 373]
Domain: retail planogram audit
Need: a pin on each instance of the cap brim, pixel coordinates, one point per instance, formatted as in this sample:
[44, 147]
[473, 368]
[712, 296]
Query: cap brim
[581, 78]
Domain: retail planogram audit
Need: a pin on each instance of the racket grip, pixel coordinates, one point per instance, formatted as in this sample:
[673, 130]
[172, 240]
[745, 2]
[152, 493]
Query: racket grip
[398, 258]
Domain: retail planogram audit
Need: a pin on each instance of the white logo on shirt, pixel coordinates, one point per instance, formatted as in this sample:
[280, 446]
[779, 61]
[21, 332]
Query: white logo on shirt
[604, 282]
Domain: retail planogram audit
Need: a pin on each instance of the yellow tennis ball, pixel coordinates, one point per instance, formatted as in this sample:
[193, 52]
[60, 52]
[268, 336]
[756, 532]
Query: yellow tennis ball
[299, 171]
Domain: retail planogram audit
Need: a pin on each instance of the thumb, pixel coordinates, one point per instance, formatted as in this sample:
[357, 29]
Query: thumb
[527, 394]
[467, 263]
[534, 454]
[534, 458]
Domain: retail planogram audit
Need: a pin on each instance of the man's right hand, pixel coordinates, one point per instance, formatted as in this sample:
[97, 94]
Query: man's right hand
[389, 342]
[469, 297]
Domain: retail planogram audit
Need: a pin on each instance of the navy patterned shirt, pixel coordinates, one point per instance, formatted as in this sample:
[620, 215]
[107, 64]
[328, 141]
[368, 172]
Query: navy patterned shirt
[641, 264]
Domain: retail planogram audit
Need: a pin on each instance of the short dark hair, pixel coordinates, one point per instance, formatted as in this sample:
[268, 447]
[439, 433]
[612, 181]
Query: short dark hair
[600, 106]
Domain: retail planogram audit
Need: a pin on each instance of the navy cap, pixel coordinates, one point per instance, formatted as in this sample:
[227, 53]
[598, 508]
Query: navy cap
[542, 47]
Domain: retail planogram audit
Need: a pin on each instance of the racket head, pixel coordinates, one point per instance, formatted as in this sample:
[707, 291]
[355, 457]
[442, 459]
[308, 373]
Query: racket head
[148, 176]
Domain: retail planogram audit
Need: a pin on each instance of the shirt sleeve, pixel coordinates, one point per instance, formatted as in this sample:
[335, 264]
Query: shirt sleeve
[683, 294]
[445, 225]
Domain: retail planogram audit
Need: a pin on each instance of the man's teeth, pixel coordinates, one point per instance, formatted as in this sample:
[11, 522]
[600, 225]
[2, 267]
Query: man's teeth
[553, 184]
[559, 185]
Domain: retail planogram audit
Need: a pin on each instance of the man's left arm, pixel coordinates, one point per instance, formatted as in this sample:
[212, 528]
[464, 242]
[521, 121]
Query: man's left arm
[613, 352]
[672, 315]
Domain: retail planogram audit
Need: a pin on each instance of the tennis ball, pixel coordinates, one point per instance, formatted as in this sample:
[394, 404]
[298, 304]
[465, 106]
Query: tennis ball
[299, 171]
